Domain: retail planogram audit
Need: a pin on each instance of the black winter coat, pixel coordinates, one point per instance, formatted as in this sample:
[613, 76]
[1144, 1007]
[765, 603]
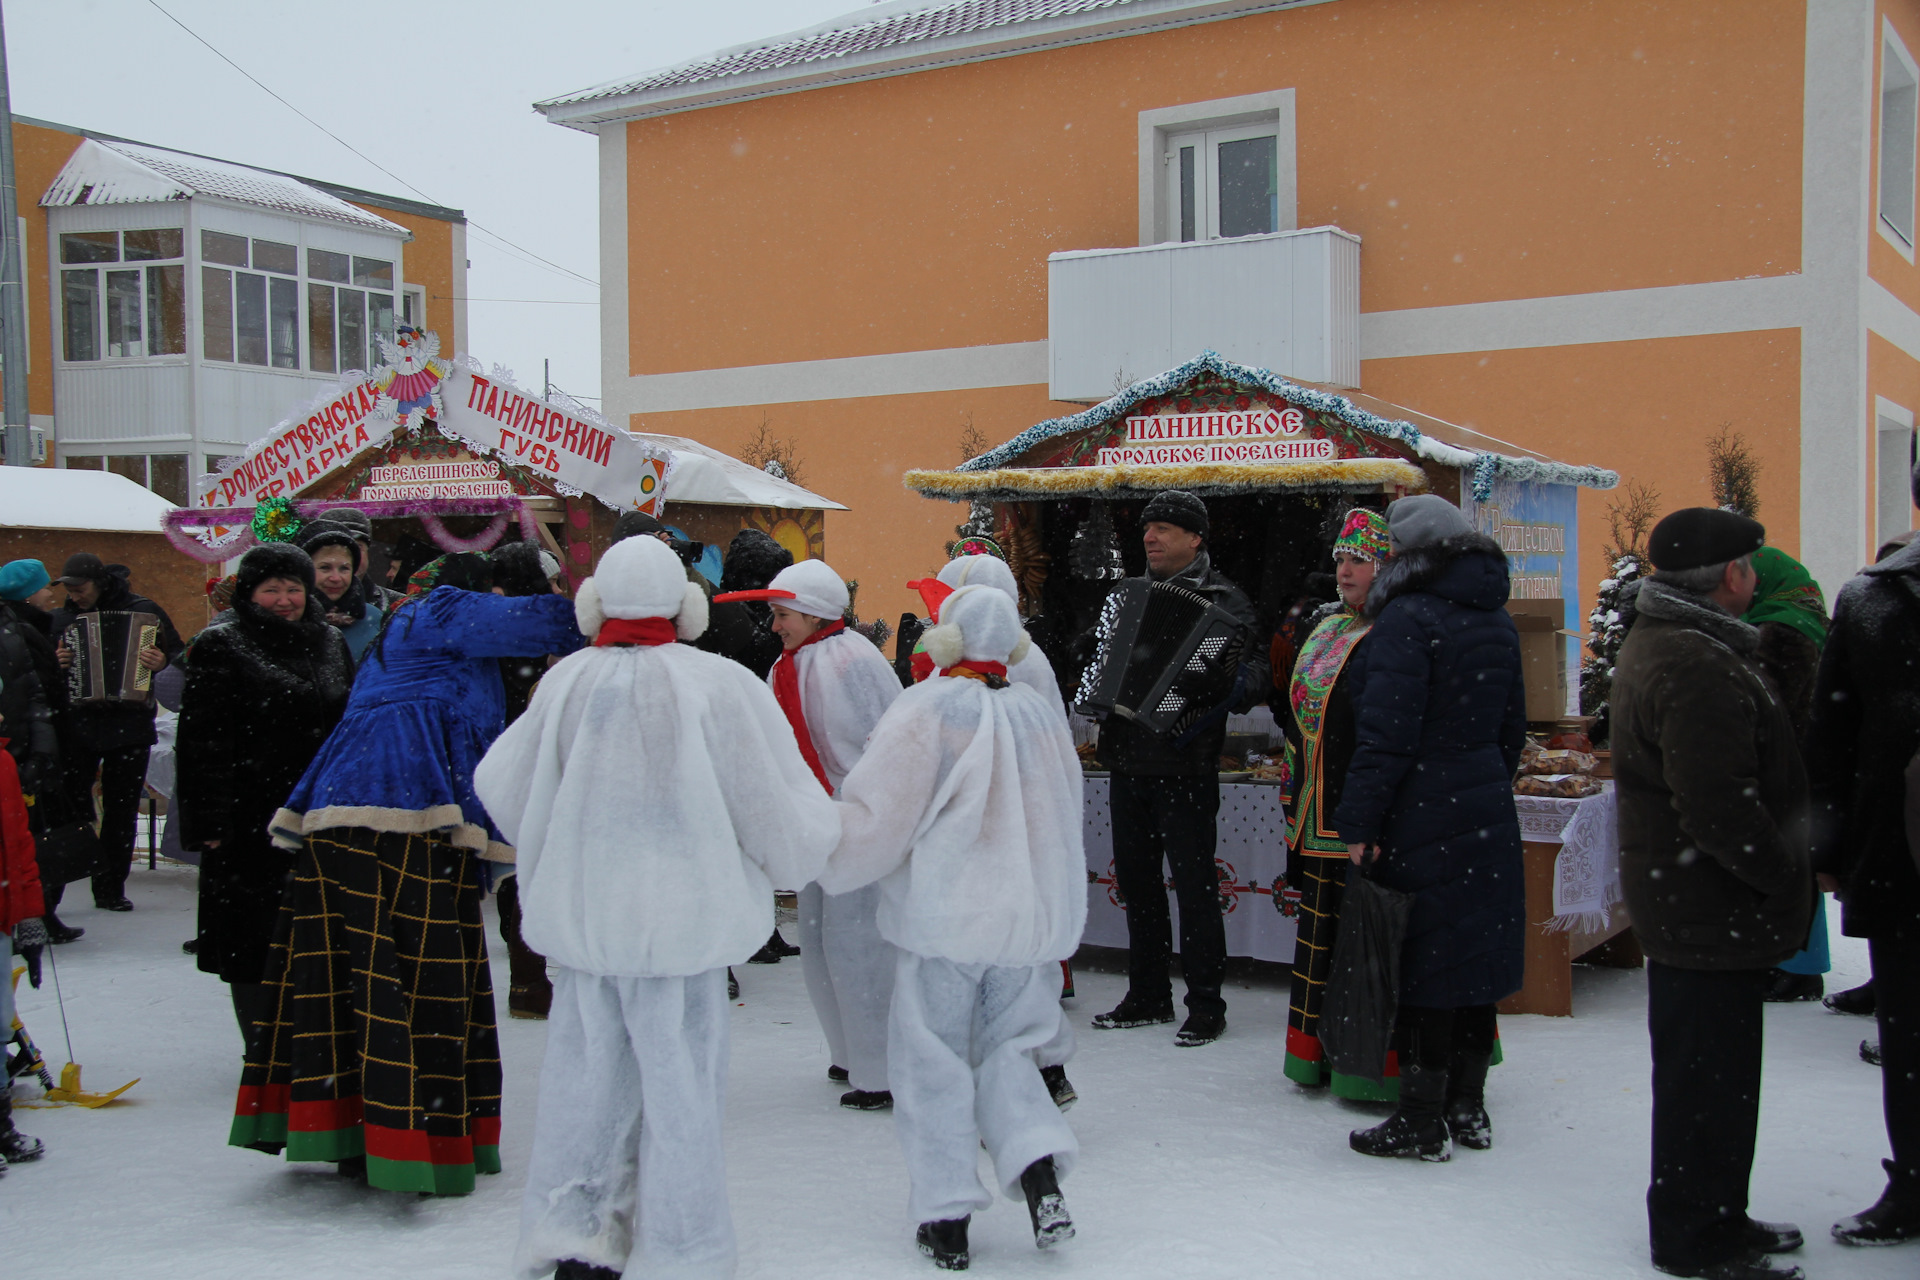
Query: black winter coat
[1129, 748]
[1713, 801]
[114, 726]
[1865, 731]
[26, 712]
[262, 694]
[1440, 718]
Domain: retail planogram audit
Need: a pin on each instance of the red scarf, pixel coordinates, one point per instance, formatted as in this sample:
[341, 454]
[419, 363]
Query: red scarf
[641, 631]
[786, 691]
[986, 672]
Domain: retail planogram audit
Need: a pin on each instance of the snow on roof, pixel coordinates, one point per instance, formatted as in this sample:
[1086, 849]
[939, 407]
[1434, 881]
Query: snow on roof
[101, 172]
[1467, 451]
[885, 39]
[701, 474]
[96, 501]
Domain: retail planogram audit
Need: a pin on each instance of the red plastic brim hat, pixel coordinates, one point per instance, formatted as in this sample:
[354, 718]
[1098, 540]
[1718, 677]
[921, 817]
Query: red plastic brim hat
[933, 593]
[766, 594]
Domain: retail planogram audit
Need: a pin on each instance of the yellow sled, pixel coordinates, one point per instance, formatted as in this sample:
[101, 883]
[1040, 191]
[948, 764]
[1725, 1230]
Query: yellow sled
[68, 1092]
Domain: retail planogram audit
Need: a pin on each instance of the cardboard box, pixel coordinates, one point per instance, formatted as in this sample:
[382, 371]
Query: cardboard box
[1543, 654]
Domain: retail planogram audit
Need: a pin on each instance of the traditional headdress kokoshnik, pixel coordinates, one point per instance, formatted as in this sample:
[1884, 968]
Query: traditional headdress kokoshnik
[1363, 535]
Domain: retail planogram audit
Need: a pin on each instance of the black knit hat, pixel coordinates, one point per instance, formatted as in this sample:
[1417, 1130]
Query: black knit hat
[272, 560]
[1695, 537]
[1177, 506]
[330, 535]
[753, 557]
[517, 569]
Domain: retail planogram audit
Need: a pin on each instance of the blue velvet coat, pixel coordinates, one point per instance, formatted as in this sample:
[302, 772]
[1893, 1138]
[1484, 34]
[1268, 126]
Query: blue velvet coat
[1440, 718]
[427, 703]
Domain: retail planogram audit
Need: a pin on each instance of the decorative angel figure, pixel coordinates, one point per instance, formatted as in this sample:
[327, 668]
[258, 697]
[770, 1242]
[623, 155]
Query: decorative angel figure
[410, 377]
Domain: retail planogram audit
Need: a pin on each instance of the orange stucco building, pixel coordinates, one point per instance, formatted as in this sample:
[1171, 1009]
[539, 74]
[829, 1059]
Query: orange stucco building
[1603, 230]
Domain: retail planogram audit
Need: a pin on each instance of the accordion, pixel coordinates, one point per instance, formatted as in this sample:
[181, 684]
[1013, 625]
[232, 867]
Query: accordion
[106, 648]
[1151, 634]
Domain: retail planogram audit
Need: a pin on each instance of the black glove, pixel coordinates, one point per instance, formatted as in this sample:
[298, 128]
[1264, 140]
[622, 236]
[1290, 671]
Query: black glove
[1202, 681]
[29, 937]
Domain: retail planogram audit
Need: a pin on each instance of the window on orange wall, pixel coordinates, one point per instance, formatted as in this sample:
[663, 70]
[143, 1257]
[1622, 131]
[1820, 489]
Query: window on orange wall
[124, 311]
[1899, 134]
[1223, 182]
[1893, 468]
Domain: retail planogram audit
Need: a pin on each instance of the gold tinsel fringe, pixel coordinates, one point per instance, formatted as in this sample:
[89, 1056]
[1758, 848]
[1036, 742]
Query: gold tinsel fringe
[1016, 484]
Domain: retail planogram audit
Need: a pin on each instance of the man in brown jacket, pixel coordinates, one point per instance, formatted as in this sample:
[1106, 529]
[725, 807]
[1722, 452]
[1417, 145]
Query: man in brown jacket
[1714, 861]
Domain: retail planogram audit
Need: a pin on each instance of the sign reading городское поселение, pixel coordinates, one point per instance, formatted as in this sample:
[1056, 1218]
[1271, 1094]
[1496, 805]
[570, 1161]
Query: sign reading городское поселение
[1253, 435]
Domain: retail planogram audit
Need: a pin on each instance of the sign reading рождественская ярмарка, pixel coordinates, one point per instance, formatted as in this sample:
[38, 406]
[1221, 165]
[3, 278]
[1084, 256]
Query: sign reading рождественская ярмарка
[1250, 435]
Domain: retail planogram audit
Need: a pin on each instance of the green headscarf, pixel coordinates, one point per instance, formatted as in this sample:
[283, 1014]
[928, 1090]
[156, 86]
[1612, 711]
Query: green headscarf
[1786, 593]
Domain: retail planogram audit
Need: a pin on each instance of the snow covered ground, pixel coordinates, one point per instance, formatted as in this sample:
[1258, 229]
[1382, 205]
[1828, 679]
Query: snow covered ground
[1202, 1162]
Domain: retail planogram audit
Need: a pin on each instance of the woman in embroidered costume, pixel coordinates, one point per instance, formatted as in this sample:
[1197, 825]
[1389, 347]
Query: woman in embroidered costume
[381, 1053]
[1316, 857]
[834, 685]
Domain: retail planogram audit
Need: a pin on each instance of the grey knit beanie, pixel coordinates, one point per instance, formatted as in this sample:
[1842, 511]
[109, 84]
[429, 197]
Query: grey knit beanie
[1427, 518]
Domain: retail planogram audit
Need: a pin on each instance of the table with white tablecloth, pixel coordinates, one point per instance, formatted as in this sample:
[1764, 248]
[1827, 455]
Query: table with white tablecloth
[1250, 856]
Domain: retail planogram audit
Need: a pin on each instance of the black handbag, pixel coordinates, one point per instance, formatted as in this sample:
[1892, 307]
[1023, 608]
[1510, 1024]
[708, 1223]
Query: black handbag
[66, 847]
[1363, 989]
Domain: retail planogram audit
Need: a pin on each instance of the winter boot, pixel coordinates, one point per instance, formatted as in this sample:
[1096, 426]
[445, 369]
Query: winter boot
[1059, 1087]
[15, 1146]
[1870, 1052]
[733, 985]
[1791, 988]
[1045, 1207]
[867, 1100]
[1855, 1000]
[1132, 1012]
[781, 947]
[837, 1074]
[56, 931]
[529, 990]
[767, 954]
[1772, 1237]
[1417, 1127]
[1748, 1266]
[571, 1269]
[1894, 1217]
[944, 1241]
[1200, 1028]
[1467, 1118]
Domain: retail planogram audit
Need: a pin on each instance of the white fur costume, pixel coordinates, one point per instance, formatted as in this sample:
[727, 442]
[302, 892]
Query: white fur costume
[846, 685]
[991, 571]
[655, 796]
[966, 811]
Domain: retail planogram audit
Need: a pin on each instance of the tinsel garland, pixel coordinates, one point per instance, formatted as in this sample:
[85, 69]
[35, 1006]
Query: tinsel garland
[176, 523]
[1207, 479]
[1486, 466]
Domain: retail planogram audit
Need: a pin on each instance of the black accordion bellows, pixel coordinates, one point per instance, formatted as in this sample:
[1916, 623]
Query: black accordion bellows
[1150, 634]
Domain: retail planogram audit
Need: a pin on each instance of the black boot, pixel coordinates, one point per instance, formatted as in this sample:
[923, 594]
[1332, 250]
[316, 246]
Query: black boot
[1790, 988]
[1045, 1207]
[58, 932]
[1748, 1266]
[1417, 1127]
[733, 985]
[1059, 1088]
[1467, 1118]
[571, 1269]
[1870, 1052]
[1201, 1028]
[15, 1146]
[867, 1100]
[837, 1074]
[1855, 1000]
[1135, 1013]
[1894, 1217]
[529, 990]
[944, 1241]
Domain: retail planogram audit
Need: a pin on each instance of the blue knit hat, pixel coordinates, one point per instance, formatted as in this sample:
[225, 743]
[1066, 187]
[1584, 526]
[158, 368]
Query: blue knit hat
[22, 578]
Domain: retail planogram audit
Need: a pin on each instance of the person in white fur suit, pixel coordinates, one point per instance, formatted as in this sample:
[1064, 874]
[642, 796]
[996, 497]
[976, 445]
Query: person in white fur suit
[965, 811]
[655, 795]
[834, 684]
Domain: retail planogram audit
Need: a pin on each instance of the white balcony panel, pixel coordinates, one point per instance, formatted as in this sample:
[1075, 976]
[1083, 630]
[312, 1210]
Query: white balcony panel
[239, 404]
[103, 402]
[1288, 302]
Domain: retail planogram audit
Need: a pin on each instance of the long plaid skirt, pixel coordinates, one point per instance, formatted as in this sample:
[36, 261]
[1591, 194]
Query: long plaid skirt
[382, 1042]
[1323, 882]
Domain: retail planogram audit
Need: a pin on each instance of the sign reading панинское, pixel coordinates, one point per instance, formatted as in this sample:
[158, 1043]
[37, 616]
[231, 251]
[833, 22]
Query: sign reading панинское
[1255, 435]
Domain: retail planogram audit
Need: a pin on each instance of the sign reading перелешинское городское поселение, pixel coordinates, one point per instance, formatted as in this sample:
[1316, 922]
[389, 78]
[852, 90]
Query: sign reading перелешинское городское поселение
[1253, 435]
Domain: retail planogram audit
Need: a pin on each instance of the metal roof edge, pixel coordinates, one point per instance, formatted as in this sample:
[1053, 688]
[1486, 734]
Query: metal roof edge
[1142, 17]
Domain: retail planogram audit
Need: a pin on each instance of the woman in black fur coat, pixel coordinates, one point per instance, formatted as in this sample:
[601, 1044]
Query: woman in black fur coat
[265, 686]
[1440, 718]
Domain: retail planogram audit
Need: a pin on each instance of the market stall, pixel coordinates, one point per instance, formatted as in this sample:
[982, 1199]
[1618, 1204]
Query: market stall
[1279, 463]
[443, 456]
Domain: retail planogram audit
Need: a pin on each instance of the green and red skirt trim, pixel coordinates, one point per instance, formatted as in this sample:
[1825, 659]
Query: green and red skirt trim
[382, 1042]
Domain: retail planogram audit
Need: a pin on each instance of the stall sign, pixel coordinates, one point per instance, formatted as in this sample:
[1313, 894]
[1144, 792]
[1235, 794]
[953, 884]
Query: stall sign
[1256, 435]
[401, 483]
[1538, 526]
[498, 418]
[302, 449]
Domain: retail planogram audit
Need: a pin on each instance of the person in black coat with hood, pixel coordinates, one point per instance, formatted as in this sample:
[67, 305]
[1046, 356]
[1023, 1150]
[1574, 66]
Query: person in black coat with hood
[1863, 743]
[110, 738]
[266, 684]
[743, 629]
[1427, 809]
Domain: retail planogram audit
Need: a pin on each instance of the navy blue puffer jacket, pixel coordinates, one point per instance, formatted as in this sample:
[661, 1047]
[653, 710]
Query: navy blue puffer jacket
[1440, 718]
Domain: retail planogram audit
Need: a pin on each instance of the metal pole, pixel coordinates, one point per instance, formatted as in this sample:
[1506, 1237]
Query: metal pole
[13, 311]
[546, 380]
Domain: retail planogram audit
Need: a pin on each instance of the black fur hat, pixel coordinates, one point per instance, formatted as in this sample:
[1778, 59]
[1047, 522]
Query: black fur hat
[272, 560]
[518, 571]
[753, 557]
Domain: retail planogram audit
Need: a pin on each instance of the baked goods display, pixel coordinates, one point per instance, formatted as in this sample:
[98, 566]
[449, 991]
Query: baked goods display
[1559, 786]
[1563, 767]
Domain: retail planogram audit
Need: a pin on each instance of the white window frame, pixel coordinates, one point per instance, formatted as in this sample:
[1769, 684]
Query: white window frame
[1248, 115]
[413, 298]
[1892, 462]
[1206, 144]
[1897, 65]
[58, 270]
